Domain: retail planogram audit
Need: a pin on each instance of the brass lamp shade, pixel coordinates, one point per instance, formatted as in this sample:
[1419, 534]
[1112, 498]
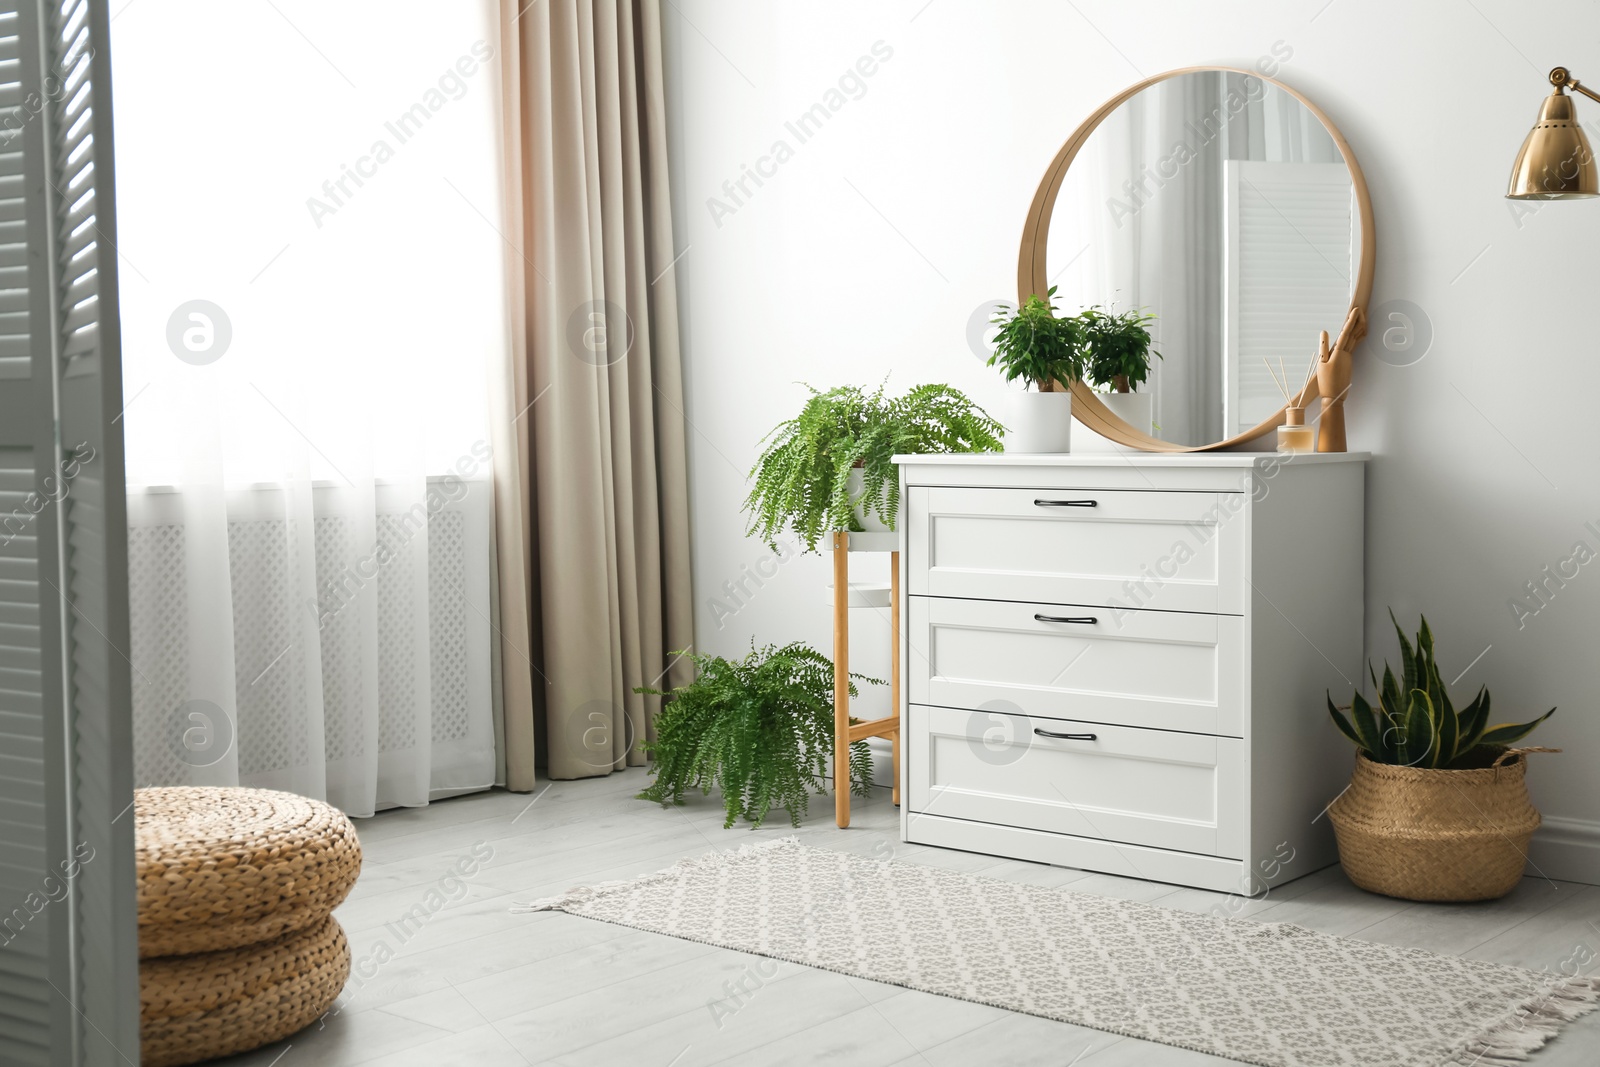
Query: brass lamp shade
[1556, 162]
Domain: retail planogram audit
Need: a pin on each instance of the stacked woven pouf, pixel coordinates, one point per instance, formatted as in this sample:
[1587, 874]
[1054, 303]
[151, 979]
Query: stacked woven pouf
[238, 946]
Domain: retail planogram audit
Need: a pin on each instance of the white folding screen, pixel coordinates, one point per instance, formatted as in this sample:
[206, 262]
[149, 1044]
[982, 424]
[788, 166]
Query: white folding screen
[1288, 261]
[68, 949]
[27, 441]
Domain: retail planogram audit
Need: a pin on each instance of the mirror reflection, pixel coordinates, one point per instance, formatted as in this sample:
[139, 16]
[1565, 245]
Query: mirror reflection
[1219, 204]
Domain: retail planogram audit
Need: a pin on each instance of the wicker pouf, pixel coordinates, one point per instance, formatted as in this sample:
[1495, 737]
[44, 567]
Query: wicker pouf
[1422, 834]
[220, 867]
[210, 1004]
[237, 944]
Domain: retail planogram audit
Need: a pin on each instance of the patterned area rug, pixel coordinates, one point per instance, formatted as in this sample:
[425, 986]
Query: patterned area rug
[1264, 993]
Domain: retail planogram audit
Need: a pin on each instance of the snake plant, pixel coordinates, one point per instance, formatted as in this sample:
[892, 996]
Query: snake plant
[1415, 724]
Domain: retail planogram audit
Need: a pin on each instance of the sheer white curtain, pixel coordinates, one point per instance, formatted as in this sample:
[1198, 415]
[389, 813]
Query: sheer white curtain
[1151, 216]
[309, 216]
[1274, 126]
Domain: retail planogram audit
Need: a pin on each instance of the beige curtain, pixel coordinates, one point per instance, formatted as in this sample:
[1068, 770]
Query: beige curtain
[592, 521]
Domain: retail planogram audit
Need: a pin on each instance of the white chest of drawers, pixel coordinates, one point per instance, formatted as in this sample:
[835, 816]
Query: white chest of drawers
[1118, 663]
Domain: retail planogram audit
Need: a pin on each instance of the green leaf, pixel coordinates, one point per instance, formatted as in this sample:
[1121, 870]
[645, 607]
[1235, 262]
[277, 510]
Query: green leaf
[1408, 658]
[1509, 733]
[1368, 726]
[1343, 724]
[1417, 741]
[1474, 720]
[1389, 695]
[1446, 733]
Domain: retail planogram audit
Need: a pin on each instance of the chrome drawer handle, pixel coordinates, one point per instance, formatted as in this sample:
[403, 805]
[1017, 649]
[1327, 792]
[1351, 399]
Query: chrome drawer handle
[1064, 737]
[1083, 620]
[1067, 503]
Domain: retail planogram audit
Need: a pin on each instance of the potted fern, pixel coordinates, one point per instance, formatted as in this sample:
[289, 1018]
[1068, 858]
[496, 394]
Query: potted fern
[1047, 354]
[1437, 808]
[759, 729]
[1119, 361]
[831, 467]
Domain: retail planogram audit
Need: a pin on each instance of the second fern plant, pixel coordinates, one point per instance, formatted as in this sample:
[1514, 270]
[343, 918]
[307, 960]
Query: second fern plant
[759, 729]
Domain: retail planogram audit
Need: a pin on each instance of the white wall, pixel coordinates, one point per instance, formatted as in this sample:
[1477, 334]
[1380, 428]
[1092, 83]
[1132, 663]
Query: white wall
[869, 250]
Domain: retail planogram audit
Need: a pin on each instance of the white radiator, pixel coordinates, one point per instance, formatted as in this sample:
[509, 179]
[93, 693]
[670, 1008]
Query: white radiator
[270, 736]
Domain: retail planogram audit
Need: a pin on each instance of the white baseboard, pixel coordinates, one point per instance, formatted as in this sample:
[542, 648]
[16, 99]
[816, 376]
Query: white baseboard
[1567, 850]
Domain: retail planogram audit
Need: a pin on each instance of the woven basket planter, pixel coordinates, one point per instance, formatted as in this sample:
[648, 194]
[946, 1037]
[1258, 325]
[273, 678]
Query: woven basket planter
[1423, 834]
[224, 867]
[194, 1008]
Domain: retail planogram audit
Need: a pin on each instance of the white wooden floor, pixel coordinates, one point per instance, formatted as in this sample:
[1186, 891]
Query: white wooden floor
[476, 984]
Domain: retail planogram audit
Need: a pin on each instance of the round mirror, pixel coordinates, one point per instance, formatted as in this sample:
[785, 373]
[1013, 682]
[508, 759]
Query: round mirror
[1227, 206]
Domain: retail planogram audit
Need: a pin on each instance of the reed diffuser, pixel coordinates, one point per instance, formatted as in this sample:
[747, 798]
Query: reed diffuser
[1294, 435]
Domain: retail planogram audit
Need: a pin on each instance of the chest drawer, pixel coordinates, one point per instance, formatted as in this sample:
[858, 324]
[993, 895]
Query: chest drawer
[1156, 669]
[1173, 551]
[1138, 787]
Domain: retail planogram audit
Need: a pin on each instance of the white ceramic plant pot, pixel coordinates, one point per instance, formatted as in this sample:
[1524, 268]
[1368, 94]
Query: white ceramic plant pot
[1135, 409]
[870, 522]
[1040, 422]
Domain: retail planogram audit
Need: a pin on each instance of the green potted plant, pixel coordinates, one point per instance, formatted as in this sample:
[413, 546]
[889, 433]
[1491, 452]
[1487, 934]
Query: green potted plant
[831, 467]
[1438, 807]
[1047, 354]
[1119, 361]
[759, 729]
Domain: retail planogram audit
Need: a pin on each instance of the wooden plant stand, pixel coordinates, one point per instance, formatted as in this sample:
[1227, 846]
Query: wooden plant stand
[843, 731]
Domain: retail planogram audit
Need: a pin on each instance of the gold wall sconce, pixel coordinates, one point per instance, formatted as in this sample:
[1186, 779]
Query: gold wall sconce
[1556, 162]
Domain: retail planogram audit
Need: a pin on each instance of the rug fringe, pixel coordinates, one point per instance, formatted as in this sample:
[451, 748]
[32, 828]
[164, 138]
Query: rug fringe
[1527, 1027]
[582, 894]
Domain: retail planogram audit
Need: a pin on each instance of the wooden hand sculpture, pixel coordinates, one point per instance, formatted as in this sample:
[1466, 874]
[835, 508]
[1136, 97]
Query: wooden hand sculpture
[1333, 380]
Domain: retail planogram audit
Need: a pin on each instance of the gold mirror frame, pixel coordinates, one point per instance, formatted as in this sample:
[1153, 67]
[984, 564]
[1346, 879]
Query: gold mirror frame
[1033, 277]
